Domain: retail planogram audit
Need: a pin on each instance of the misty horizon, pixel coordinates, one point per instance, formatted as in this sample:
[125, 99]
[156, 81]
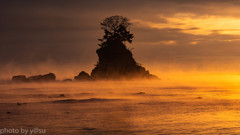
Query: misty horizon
[43, 36]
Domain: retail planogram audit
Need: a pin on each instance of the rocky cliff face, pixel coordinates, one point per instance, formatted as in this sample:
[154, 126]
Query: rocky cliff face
[116, 62]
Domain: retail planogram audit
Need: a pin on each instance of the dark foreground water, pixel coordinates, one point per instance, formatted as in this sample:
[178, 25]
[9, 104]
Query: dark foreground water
[119, 109]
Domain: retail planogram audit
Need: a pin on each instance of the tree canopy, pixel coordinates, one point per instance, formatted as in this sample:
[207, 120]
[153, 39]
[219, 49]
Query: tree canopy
[116, 28]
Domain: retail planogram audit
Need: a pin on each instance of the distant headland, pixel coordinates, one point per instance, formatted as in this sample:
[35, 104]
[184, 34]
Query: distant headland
[115, 60]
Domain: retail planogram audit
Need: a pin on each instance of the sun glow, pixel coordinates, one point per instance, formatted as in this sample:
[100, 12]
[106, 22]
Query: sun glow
[203, 25]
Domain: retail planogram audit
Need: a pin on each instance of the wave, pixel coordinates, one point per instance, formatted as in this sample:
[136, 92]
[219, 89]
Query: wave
[83, 100]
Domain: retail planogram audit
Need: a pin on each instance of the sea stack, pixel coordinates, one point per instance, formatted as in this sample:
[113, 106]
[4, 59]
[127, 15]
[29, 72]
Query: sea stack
[115, 60]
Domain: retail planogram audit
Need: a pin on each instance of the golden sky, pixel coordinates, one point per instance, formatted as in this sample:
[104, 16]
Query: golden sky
[184, 36]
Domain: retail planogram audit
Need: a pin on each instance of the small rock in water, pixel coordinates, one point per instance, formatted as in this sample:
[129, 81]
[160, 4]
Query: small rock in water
[19, 78]
[83, 76]
[57, 96]
[61, 95]
[21, 103]
[141, 93]
[88, 128]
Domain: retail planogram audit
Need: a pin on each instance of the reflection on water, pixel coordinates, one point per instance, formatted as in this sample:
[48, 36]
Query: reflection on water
[121, 108]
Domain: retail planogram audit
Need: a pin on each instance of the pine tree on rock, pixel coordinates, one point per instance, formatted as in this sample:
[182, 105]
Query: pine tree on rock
[115, 60]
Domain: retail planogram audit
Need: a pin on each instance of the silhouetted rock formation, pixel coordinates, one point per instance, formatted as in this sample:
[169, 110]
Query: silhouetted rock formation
[36, 78]
[19, 78]
[48, 77]
[41, 78]
[116, 62]
[83, 76]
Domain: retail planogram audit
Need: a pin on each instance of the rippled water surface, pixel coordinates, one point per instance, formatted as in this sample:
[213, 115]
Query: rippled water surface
[120, 108]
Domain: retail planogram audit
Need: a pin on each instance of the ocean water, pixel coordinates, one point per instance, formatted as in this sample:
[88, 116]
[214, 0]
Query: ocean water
[119, 108]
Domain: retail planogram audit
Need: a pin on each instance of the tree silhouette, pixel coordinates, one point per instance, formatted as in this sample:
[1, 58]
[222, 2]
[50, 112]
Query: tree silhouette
[116, 28]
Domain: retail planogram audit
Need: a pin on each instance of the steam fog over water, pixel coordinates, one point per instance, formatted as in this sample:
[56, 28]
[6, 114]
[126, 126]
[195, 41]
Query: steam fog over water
[116, 108]
[192, 46]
